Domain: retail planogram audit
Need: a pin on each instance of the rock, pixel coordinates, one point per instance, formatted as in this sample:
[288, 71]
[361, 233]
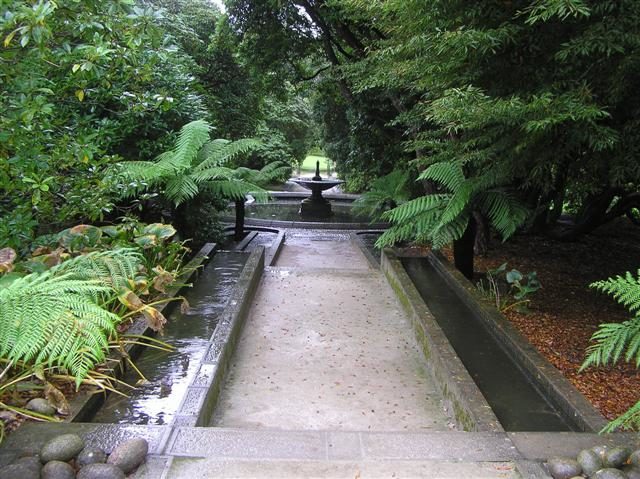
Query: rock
[590, 461]
[563, 467]
[616, 457]
[632, 472]
[91, 455]
[600, 450]
[58, 470]
[100, 471]
[609, 473]
[130, 454]
[22, 471]
[41, 406]
[634, 458]
[62, 448]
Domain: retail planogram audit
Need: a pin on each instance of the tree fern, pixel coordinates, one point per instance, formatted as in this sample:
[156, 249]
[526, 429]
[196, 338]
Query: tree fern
[58, 318]
[442, 218]
[193, 161]
[615, 341]
[386, 192]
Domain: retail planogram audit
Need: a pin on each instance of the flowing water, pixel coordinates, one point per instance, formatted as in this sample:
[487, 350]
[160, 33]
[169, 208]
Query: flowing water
[168, 374]
[514, 399]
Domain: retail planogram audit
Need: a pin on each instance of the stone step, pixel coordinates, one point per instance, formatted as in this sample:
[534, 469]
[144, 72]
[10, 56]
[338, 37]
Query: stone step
[191, 468]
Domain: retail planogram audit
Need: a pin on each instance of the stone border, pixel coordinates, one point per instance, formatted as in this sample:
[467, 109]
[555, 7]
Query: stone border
[469, 407]
[555, 387]
[356, 237]
[202, 394]
[84, 405]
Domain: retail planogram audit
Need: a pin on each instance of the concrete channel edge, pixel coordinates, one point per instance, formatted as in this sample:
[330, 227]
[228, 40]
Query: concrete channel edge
[469, 408]
[562, 394]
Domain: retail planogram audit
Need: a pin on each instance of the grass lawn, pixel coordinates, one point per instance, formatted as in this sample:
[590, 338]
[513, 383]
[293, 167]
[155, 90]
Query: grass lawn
[309, 165]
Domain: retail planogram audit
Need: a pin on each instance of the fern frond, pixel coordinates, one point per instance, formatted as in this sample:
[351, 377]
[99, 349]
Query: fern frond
[505, 213]
[213, 173]
[445, 233]
[414, 207]
[57, 318]
[223, 153]
[624, 289]
[446, 173]
[191, 138]
[611, 339]
[628, 420]
[113, 268]
[180, 189]
[237, 189]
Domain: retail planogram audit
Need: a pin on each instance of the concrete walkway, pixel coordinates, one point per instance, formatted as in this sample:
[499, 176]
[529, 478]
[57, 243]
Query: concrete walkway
[327, 347]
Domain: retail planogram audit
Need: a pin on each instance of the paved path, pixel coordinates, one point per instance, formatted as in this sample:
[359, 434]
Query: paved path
[327, 347]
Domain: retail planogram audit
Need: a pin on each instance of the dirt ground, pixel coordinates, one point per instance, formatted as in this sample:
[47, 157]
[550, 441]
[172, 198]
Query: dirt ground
[565, 312]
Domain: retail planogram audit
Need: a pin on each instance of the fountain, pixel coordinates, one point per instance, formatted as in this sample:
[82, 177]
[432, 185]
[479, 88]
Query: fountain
[316, 205]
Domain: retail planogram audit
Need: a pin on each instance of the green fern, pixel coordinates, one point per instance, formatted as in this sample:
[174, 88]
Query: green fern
[194, 162]
[615, 341]
[386, 192]
[58, 317]
[442, 218]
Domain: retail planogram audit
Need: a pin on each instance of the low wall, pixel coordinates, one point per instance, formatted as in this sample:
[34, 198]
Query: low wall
[470, 409]
[203, 392]
[556, 388]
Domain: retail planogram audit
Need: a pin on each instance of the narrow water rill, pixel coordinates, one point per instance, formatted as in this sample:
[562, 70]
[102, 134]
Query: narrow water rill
[157, 397]
[517, 403]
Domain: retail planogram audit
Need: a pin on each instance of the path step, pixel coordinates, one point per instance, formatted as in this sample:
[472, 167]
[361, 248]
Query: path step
[241, 453]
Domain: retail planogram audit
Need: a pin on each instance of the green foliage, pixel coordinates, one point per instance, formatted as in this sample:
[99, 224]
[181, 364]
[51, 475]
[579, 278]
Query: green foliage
[59, 317]
[385, 193]
[616, 341]
[83, 84]
[520, 287]
[442, 218]
[195, 162]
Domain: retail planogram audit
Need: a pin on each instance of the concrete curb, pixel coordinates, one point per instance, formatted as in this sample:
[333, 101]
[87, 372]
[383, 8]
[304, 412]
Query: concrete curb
[556, 388]
[470, 409]
[203, 392]
[85, 404]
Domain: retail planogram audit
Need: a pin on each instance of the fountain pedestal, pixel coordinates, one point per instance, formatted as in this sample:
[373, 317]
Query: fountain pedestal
[316, 206]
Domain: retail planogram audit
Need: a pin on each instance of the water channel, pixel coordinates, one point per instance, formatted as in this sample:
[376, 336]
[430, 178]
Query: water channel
[168, 374]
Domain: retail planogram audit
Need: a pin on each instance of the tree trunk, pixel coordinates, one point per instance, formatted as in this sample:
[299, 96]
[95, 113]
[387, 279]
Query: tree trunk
[463, 250]
[239, 228]
[483, 234]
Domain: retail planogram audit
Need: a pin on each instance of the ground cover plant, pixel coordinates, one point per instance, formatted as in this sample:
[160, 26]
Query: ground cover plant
[65, 306]
[563, 316]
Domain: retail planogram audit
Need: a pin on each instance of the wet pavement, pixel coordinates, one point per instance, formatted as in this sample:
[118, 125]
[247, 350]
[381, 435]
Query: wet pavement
[326, 346]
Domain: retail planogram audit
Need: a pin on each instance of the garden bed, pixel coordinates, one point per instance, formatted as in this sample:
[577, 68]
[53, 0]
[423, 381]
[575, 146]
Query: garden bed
[565, 312]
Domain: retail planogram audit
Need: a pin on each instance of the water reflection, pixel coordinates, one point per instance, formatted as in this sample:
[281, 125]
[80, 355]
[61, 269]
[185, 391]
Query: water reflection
[168, 374]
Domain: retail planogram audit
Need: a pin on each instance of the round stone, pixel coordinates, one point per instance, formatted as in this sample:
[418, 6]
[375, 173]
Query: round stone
[130, 454]
[21, 471]
[634, 458]
[58, 470]
[632, 472]
[100, 471]
[41, 406]
[563, 467]
[62, 448]
[609, 473]
[590, 461]
[600, 450]
[91, 455]
[616, 457]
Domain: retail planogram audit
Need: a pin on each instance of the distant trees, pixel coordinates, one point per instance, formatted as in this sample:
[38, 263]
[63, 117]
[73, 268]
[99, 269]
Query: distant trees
[533, 97]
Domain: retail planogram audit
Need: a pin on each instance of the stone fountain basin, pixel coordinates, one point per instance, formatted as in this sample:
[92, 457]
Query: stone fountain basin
[321, 185]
